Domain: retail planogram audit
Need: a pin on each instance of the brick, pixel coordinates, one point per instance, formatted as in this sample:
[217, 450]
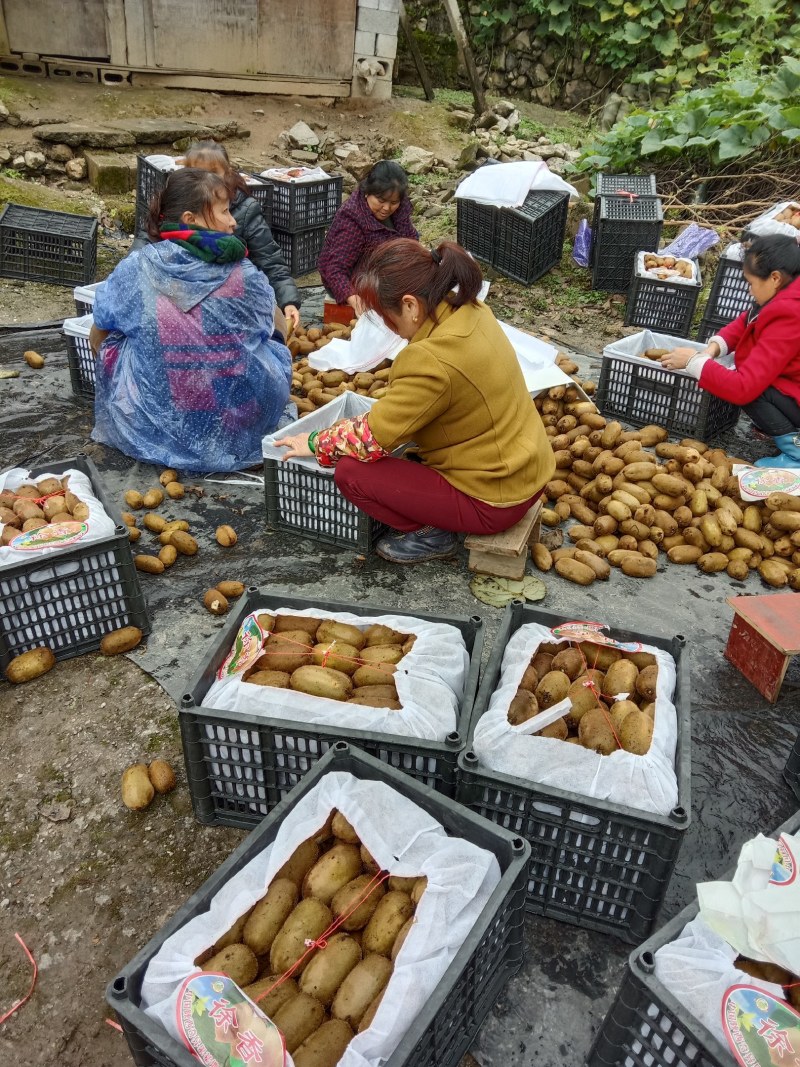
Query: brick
[365, 43]
[377, 21]
[389, 5]
[111, 173]
[375, 4]
[386, 46]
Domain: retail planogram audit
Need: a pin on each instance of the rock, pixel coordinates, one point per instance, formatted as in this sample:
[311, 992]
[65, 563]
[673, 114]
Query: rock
[540, 74]
[111, 172]
[608, 114]
[60, 153]
[5, 155]
[501, 125]
[469, 154]
[35, 161]
[543, 95]
[432, 211]
[302, 156]
[557, 165]
[576, 92]
[522, 42]
[360, 165]
[504, 108]
[54, 170]
[76, 169]
[520, 81]
[551, 151]
[302, 136]
[512, 119]
[346, 151]
[13, 119]
[18, 162]
[486, 120]
[531, 157]
[3, 112]
[416, 160]
[462, 120]
[161, 130]
[628, 91]
[259, 111]
[76, 135]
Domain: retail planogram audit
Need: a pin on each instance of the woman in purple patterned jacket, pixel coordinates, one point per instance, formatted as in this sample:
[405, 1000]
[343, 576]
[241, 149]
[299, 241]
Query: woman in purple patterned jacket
[377, 210]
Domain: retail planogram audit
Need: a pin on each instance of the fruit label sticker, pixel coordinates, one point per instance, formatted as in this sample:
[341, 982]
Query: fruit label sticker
[757, 483]
[56, 535]
[784, 866]
[762, 1031]
[223, 1027]
[246, 649]
[592, 631]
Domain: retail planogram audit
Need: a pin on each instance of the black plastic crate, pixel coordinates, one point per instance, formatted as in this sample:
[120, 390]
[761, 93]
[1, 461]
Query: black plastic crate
[529, 240]
[151, 180]
[641, 393]
[239, 766]
[80, 357]
[661, 305]
[708, 327]
[301, 250]
[47, 246]
[475, 228]
[624, 227]
[610, 184]
[69, 600]
[791, 772]
[598, 865]
[304, 205]
[730, 293]
[647, 1024]
[444, 1030]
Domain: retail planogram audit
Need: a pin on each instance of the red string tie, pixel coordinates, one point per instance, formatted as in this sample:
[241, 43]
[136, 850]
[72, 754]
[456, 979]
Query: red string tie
[18, 1003]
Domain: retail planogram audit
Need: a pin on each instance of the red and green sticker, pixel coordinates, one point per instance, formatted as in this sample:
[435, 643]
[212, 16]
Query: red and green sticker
[222, 1027]
[55, 535]
[762, 1030]
[593, 632]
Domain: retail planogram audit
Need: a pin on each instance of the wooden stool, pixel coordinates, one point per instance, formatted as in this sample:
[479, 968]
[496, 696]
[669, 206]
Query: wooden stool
[505, 554]
[764, 636]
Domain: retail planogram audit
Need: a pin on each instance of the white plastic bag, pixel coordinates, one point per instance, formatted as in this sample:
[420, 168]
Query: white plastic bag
[765, 224]
[371, 342]
[647, 783]
[404, 840]
[98, 526]
[507, 184]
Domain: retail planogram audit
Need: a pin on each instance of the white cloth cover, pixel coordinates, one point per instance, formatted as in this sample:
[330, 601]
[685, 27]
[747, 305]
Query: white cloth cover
[507, 184]
[633, 347]
[697, 968]
[430, 684]
[647, 782]
[100, 524]
[404, 840]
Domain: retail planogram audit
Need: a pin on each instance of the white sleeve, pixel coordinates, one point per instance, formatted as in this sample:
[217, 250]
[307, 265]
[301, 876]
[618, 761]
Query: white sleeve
[723, 348]
[695, 365]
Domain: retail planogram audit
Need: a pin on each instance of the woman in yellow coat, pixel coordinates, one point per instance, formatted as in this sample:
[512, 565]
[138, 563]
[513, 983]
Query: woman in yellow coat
[481, 455]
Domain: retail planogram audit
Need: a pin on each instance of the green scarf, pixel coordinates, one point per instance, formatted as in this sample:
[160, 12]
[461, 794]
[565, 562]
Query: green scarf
[208, 245]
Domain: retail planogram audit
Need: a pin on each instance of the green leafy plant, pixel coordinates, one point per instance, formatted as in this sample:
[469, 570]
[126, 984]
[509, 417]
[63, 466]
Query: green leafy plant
[734, 116]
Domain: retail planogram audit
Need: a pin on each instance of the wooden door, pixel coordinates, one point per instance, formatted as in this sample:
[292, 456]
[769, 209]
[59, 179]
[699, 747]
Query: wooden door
[75, 29]
[199, 35]
[312, 39]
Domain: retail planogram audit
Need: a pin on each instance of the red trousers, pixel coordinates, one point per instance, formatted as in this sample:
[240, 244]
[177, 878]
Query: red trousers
[407, 495]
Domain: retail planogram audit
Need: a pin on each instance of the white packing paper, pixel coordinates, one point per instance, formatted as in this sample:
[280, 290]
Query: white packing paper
[371, 342]
[99, 524]
[674, 277]
[404, 840]
[647, 783]
[766, 223]
[698, 968]
[295, 175]
[507, 184]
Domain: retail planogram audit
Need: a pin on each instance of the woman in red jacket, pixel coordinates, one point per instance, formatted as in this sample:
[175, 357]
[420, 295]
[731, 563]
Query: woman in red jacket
[377, 210]
[765, 341]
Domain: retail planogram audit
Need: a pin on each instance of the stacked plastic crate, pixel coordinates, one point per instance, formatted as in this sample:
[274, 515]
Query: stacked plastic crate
[301, 214]
[625, 222]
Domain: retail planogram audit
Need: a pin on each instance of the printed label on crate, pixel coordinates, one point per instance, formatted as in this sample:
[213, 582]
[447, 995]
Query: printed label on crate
[762, 1031]
[592, 631]
[247, 647]
[56, 535]
[784, 866]
[756, 483]
[224, 1028]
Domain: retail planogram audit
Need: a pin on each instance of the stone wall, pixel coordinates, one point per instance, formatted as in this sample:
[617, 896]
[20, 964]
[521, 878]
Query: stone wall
[519, 65]
[377, 24]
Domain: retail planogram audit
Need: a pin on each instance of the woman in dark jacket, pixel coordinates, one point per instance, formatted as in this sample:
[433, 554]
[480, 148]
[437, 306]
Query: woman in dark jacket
[377, 210]
[251, 227]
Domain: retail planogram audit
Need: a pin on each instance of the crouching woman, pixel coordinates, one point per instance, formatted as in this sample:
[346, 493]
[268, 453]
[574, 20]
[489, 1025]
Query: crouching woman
[481, 456]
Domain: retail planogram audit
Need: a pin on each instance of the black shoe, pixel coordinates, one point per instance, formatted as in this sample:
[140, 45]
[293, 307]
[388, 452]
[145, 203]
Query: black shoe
[419, 546]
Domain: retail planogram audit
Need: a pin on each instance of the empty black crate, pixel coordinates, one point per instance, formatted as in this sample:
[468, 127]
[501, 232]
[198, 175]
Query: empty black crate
[529, 240]
[444, 1030]
[301, 250]
[595, 864]
[624, 227]
[791, 771]
[151, 180]
[47, 246]
[70, 599]
[647, 1024]
[661, 305]
[640, 393]
[475, 228]
[239, 766]
[730, 293]
[609, 184]
[708, 327]
[304, 205]
[80, 357]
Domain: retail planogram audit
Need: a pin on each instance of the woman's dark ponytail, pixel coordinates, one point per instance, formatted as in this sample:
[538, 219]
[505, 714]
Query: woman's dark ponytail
[456, 267]
[773, 252]
[184, 190]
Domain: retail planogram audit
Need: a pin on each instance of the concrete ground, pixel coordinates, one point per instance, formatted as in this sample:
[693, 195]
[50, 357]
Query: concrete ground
[551, 1009]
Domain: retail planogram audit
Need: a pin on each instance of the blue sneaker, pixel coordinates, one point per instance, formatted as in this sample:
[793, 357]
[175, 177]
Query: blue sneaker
[419, 546]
